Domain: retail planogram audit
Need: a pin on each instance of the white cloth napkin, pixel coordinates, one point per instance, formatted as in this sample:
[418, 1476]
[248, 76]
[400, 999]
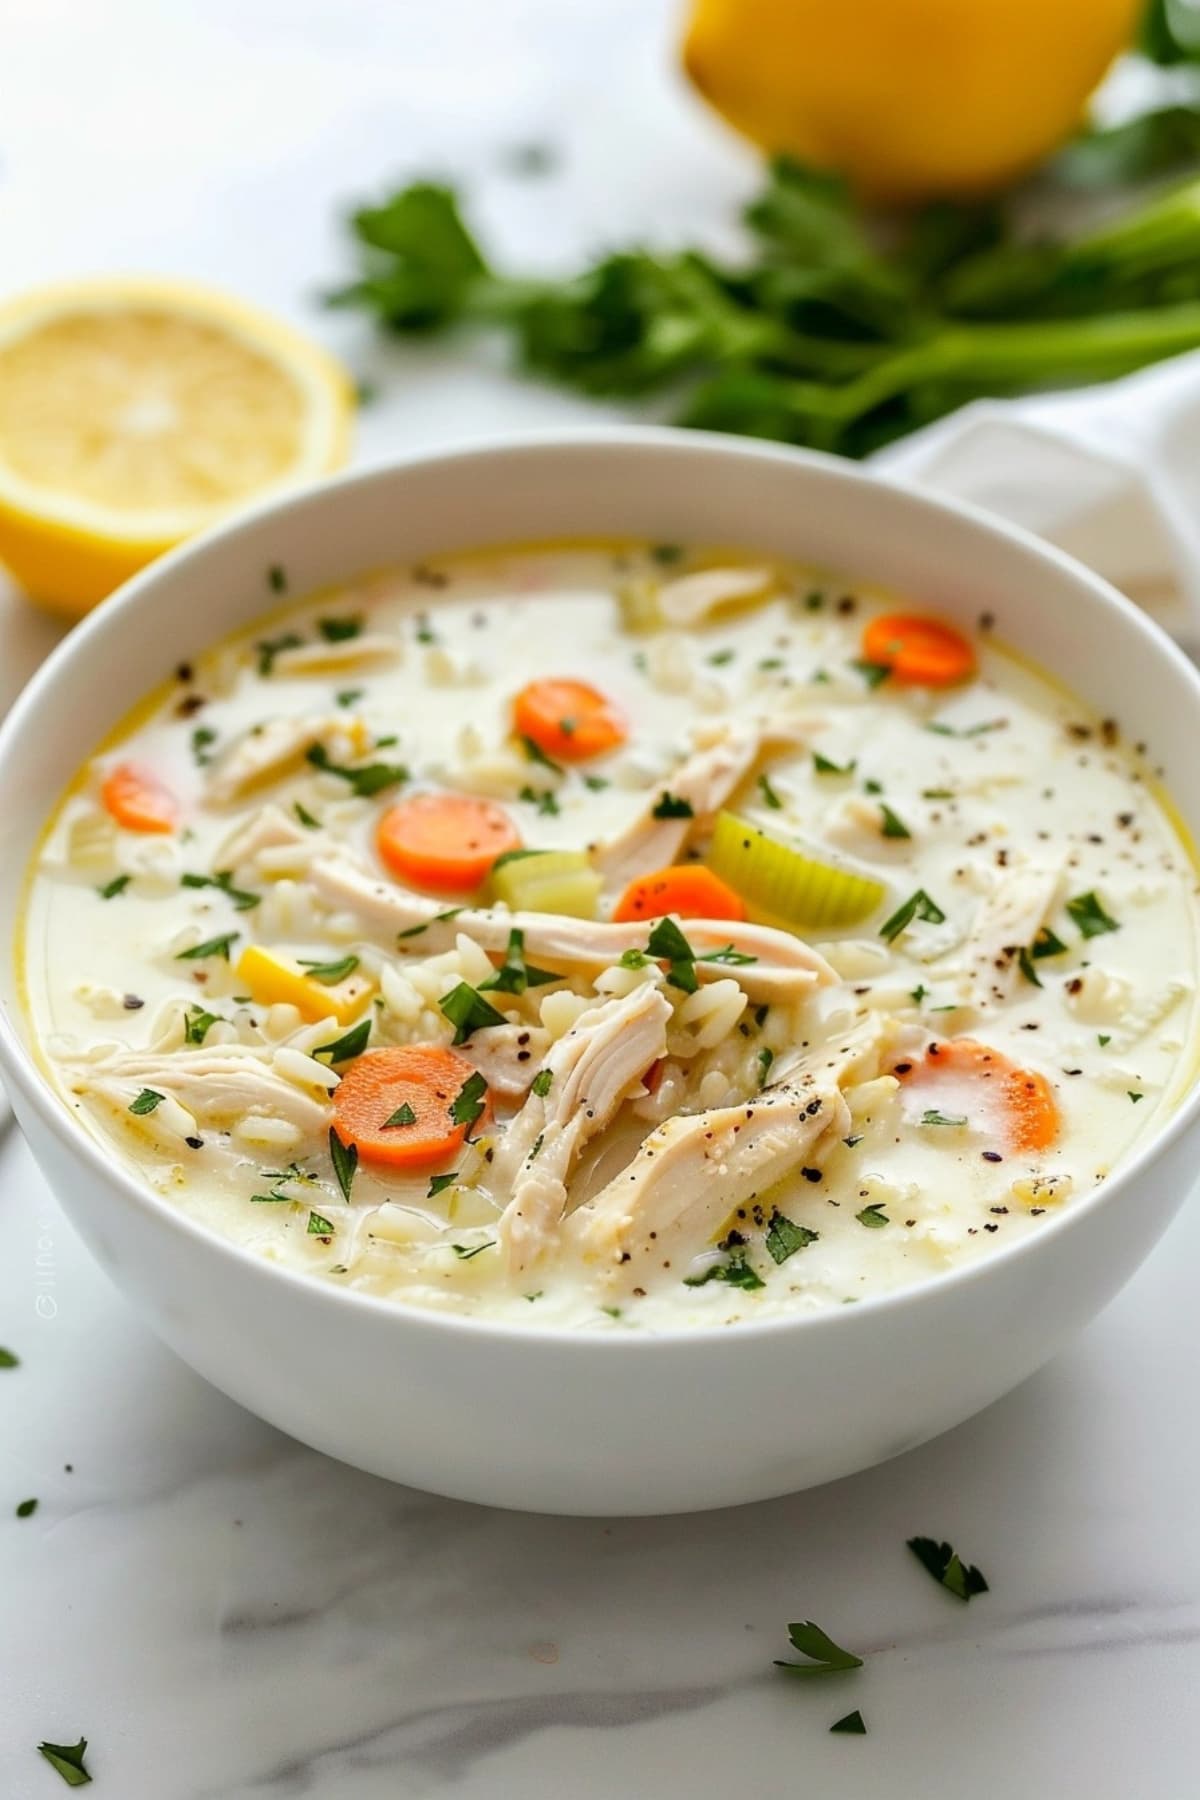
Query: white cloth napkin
[1111, 474]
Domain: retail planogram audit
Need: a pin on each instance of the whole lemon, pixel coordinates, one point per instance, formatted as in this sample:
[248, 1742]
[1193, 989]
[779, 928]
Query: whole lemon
[908, 98]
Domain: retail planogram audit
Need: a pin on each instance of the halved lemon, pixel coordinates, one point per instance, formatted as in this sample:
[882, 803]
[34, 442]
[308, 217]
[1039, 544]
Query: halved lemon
[134, 413]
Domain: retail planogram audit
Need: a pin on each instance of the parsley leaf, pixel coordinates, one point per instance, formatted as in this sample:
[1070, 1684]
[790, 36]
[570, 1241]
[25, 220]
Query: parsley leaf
[26, 1509]
[345, 1163]
[873, 673]
[670, 806]
[468, 1104]
[451, 912]
[269, 648]
[824, 1656]
[765, 1058]
[734, 1272]
[514, 974]
[893, 826]
[873, 1216]
[351, 1043]
[337, 631]
[823, 766]
[330, 973]
[403, 1115]
[203, 738]
[542, 1082]
[366, 780]
[770, 797]
[917, 906]
[468, 1011]
[217, 946]
[1090, 916]
[67, 1759]
[733, 958]
[146, 1102]
[465, 1252]
[197, 1024]
[784, 1238]
[319, 1226]
[853, 1724]
[8, 1360]
[667, 943]
[1046, 944]
[116, 886]
[966, 731]
[944, 1564]
[933, 1117]
[1025, 964]
[440, 1183]
[536, 754]
[305, 817]
[277, 579]
[243, 899]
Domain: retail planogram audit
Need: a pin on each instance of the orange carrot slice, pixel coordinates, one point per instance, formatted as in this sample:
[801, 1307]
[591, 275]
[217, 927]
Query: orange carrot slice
[138, 800]
[447, 842]
[688, 889]
[395, 1105]
[570, 720]
[1020, 1101]
[920, 650]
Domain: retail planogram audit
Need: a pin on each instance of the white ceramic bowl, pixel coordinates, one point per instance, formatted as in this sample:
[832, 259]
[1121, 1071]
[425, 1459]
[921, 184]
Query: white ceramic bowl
[553, 1421]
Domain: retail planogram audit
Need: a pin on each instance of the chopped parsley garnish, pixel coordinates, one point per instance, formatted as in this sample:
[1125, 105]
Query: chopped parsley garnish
[1103, 1038]
[351, 1043]
[734, 958]
[596, 783]
[765, 1058]
[468, 1011]
[514, 974]
[542, 1082]
[770, 797]
[116, 886]
[203, 738]
[919, 993]
[546, 801]
[721, 658]
[823, 1656]
[243, 899]
[403, 1115]
[667, 944]
[330, 973]
[451, 912]
[917, 906]
[814, 600]
[277, 579]
[8, 1360]
[216, 946]
[440, 1183]
[197, 1024]
[893, 826]
[734, 1272]
[852, 1725]
[319, 1226]
[633, 959]
[667, 554]
[873, 673]
[536, 754]
[670, 806]
[345, 1162]
[871, 786]
[1025, 964]
[336, 631]
[269, 648]
[465, 1252]
[1046, 944]
[966, 731]
[824, 766]
[937, 793]
[932, 1116]
[1134, 1096]
[468, 1104]
[348, 696]
[67, 1759]
[305, 817]
[945, 1565]
[26, 1509]
[366, 780]
[873, 1216]
[784, 1237]
[146, 1102]
[1090, 916]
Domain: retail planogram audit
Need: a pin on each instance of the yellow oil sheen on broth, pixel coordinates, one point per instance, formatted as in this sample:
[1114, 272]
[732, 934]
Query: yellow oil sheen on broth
[617, 938]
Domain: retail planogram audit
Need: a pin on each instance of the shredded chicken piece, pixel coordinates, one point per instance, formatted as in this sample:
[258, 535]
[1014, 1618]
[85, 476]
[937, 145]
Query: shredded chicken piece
[507, 1056]
[784, 967]
[216, 1086]
[1006, 922]
[592, 1069]
[269, 751]
[691, 1172]
[268, 829]
[691, 598]
[370, 650]
[705, 781]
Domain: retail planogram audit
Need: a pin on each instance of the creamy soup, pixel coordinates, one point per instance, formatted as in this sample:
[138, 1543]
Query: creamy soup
[622, 938]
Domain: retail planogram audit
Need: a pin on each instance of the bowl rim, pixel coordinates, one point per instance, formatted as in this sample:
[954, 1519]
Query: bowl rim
[20, 1068]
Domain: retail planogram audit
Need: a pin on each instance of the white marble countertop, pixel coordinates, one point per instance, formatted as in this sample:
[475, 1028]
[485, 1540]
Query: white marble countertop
[228, 1616]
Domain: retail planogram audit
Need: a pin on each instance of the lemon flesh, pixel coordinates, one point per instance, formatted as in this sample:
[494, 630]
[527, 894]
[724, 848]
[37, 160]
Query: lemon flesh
[133, 415]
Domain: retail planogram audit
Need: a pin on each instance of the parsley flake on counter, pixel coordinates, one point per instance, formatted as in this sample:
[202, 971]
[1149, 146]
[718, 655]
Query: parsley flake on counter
[9, 1360]
[67, 1759]
[1090, 916]
[216, 946]
[351, 1043]
[116, 886]
[824, 1657]
[852, 1725]
[514, 974]
[345, 1163]
[468, 1104]
[330, 973]
[440, 1183]
[243, 899]
[403, 1115]
[893, 826]
[873, 1216]
[824, 766]
[468, 1011]
[946, 1566]
[667, 943]
[318, 1226]
[146, 1102]
[337, 631]
[735, 1272]
[26, 1509]
[931, 1116]
[770, 797]
[917, 906]
[542, 1083]
[367, 779]
[784, 1237]
[670, 806]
